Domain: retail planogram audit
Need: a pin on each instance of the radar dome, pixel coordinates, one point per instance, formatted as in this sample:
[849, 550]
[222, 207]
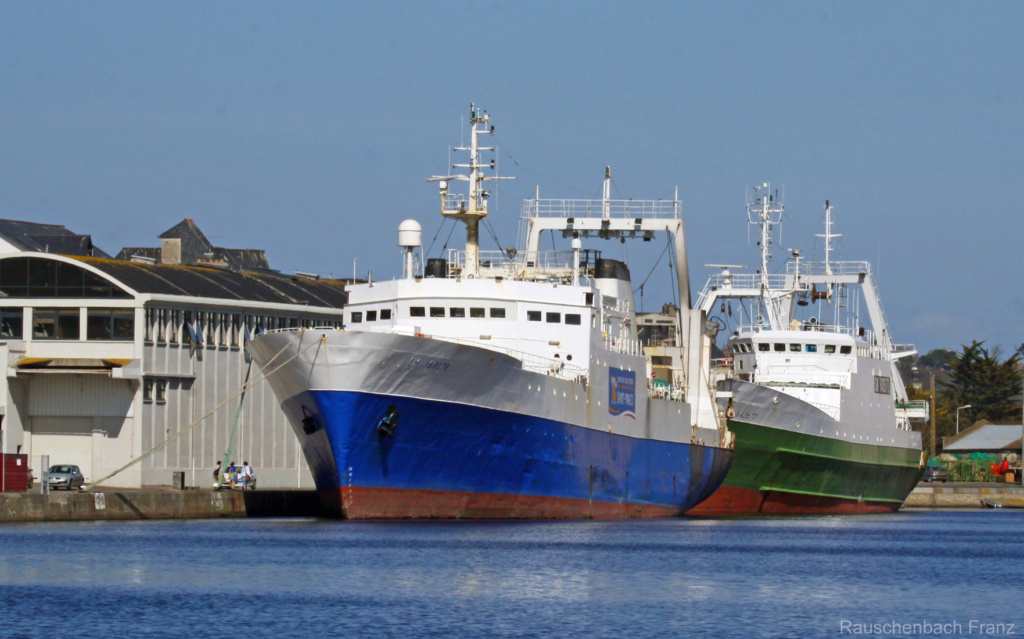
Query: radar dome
[410, 234]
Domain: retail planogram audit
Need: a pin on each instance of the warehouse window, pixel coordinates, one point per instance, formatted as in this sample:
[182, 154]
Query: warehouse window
[55, 323]
[11, 323]
[110, 324]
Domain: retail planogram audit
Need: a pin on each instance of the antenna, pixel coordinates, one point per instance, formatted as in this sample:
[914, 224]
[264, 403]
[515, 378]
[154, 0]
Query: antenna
[765, 211]
[473, 207]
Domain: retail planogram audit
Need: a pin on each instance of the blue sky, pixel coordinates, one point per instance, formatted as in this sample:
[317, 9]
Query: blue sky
[308, 129]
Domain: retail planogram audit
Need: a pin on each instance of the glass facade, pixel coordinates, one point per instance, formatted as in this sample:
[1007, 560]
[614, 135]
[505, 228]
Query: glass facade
[44, 277]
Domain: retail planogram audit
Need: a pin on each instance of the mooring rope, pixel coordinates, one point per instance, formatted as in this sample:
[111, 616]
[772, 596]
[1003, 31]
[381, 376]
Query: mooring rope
[231, 397]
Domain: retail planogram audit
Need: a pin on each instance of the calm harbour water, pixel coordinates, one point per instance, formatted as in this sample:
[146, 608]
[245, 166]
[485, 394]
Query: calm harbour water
[797, 577]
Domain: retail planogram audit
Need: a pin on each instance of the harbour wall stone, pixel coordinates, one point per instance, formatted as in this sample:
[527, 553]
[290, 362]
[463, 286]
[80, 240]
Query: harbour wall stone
[959, 496]
[142, 504]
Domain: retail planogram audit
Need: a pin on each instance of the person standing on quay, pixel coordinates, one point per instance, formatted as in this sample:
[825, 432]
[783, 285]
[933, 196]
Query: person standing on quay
[247, 475]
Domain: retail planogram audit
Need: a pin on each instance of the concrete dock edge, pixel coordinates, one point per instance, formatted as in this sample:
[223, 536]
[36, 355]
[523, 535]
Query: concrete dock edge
[959, 496]
[157, 504]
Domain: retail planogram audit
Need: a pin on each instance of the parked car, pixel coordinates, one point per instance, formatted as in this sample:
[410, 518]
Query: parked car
[935, 473]
[65, 476]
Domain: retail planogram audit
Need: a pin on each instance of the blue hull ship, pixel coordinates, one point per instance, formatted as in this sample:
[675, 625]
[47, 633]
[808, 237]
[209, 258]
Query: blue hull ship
[506, 385]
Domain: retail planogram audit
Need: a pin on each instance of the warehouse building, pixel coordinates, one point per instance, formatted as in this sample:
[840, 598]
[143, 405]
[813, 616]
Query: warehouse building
[107, 359]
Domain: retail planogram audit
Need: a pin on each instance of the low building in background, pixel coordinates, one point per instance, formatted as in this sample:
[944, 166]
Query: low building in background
[985, 438]
[107, 359]
[185, 244]
[16, 236]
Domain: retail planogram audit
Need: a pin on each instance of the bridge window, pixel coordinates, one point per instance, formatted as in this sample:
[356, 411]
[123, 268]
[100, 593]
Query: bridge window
[764, 347]
[456, 312]
[357, 317]
[830, 348]
[573, 319]
[498, 313]
[437, 311]
[371, 316]
[385, 313]
[417, 311]
[533, 316]
[812, 348]
[794, 348]
[779, 348]
[477, 312]
[844, 350]
[554, 318]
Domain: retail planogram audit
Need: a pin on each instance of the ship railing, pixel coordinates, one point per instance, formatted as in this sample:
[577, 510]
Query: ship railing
[818, 269]
[829, 409]
[721, 369]
[660, 389]
[625, 346]
[545, 265]
[809, 377]
[603, 208]
[916, 409]
[721, 284]
[817, 328]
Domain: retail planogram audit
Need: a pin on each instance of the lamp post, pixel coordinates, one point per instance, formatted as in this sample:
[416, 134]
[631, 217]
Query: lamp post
[958, 417]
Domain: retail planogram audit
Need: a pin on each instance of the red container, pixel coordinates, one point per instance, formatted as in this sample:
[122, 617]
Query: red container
[14, 474]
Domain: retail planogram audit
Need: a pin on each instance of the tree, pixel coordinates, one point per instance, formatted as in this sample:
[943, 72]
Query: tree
[937, 358]
[990, 386]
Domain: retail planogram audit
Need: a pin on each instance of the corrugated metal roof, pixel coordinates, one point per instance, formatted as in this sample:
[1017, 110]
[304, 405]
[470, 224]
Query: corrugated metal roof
[222, 283]
[987, 437]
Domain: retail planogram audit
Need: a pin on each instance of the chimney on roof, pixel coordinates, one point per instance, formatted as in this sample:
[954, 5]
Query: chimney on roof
[170, 250]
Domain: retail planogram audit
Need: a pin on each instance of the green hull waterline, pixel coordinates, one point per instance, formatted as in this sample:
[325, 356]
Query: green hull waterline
[770, 459]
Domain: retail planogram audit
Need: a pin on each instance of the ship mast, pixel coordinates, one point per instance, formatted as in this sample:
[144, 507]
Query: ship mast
[765, 210]
[827, 236]
[473, 208]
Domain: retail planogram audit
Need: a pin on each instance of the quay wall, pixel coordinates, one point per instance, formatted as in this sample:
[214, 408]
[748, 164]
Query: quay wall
[142, 504]
[960, 496]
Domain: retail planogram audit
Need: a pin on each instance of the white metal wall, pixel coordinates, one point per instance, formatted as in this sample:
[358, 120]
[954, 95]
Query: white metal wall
[81, 419]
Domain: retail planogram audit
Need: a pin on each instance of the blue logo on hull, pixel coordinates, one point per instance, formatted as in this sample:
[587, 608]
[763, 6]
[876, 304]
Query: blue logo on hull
[622, 392]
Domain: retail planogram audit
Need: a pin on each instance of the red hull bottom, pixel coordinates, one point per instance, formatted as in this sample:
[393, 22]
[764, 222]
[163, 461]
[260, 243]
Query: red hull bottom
[393, 503]
[728, 500]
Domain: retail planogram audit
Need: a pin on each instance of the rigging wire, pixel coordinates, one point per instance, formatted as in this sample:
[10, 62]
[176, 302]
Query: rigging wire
[548, 179]
[660, 257]
[436, 233]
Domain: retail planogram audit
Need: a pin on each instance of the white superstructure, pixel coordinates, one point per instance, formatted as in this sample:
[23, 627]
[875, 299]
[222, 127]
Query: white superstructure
[802, 332]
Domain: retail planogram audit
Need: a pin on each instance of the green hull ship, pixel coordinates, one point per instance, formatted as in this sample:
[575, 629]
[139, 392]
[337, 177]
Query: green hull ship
[820, 416]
